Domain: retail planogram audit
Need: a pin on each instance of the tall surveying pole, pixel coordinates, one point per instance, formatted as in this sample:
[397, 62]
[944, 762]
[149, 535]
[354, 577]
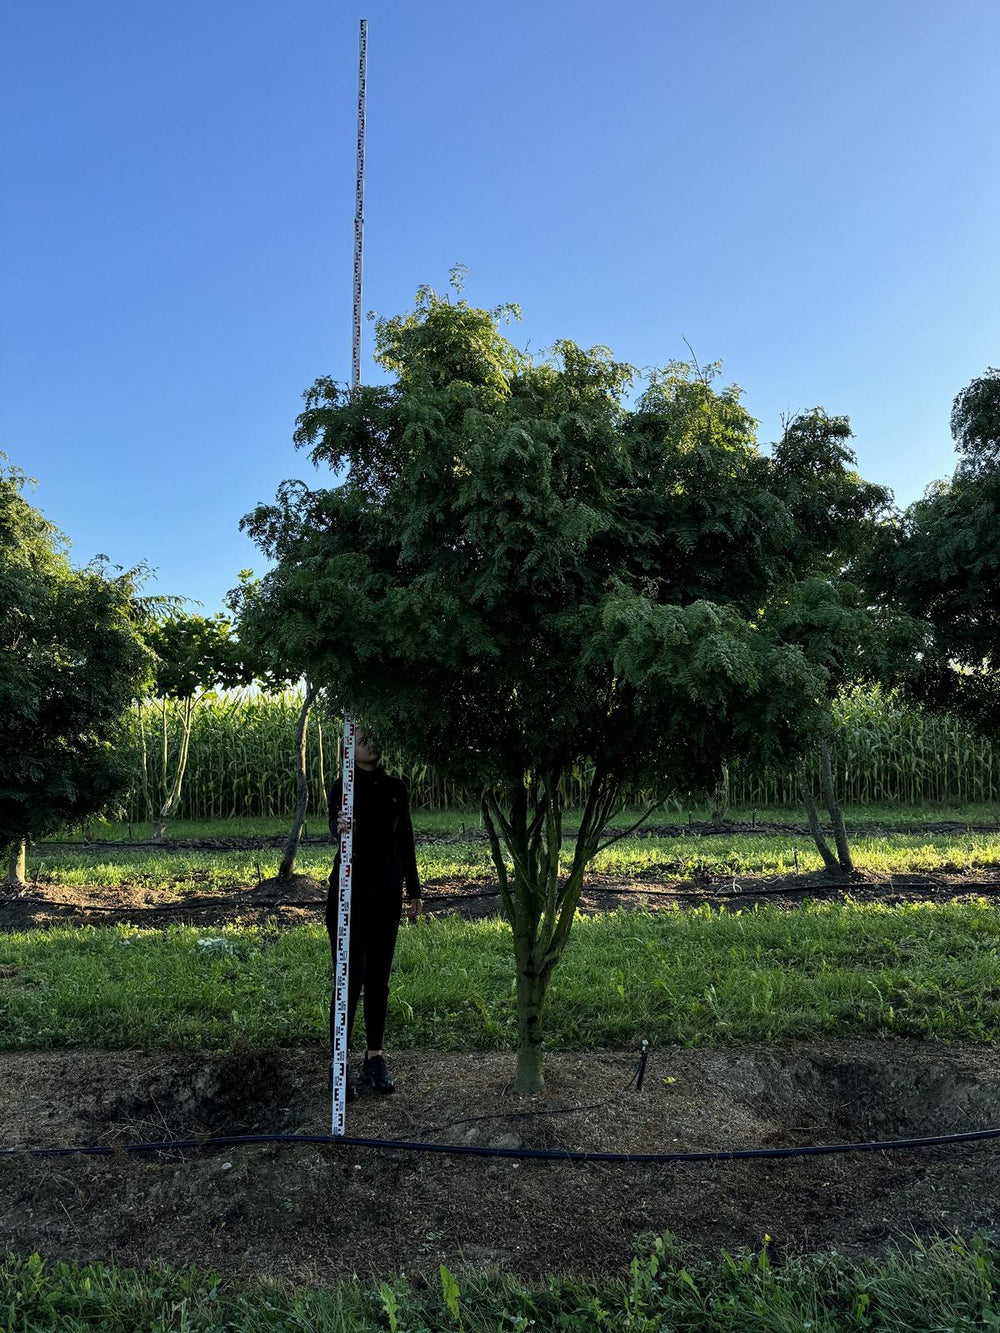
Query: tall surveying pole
[340, 1033]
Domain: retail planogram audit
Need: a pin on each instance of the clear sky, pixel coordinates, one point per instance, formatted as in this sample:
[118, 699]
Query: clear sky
[808, 191]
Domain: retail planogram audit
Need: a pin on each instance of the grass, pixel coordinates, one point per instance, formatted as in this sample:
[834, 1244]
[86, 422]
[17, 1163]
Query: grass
[889, 815]
[699, 977]
[195, 871]
[429, 822]
[437, 823]
[937, 1287]
[683, 857]
[745, 854]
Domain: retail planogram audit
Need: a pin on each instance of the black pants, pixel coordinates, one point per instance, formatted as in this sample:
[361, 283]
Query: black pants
[376, 908]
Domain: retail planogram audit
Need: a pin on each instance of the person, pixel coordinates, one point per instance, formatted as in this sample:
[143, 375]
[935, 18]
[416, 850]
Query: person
[383, 860]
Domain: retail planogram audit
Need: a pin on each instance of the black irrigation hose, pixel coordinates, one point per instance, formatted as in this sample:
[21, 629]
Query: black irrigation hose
[475, 1150]
[637, 1075]
[716, 891]
[525, 1154]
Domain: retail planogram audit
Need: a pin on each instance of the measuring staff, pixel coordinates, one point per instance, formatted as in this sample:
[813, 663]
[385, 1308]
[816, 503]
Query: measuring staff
[339, 1029]
[383, 862]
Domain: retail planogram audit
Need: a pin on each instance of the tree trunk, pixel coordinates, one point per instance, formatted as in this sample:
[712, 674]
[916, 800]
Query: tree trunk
[720, 796]
[147, 805]
[16, 866]
[301, 785]
[836, 815]
[163, 747]
[539, 903]
[174, 797]
[528, 1078]
[822, 846]
[322, 773]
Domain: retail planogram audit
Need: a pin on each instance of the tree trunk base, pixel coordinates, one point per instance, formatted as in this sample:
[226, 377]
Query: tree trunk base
[16, 862]
[528, 1080]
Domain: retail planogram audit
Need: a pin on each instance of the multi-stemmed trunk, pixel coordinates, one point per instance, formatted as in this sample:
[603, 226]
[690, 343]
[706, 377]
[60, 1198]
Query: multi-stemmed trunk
[524, 823]
[832, 804]
[719, 796]
[174, 795]
[301, 784]
[822, 846]
[842, 863]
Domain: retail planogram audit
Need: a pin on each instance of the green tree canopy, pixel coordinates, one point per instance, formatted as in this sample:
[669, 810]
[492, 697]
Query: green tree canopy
[522, 573]
[194, 654]
[71, 663]
[261, 646]
[975, 423]
[944, 566]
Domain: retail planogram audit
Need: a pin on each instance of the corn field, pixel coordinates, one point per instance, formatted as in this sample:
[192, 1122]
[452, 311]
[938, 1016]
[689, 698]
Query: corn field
[884, 752]
[241, 760]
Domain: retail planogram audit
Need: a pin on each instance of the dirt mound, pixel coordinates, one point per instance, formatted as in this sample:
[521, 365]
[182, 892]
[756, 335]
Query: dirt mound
[317, 1213]
[296, 890]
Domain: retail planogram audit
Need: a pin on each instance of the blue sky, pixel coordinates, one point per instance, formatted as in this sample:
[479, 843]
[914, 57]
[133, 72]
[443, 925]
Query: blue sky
[808, 192]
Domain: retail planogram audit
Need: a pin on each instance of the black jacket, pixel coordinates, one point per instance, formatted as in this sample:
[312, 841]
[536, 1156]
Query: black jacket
[383, 831]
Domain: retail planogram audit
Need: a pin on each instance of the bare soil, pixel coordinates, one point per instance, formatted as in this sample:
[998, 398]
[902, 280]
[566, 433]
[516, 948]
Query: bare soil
[301, 899]
[312, 1214]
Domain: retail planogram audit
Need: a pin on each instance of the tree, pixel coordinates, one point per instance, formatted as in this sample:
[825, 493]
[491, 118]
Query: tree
[943, 566]
[521, 574]
[975, 424]
[855, 641]
[71, 663]
[194, 655]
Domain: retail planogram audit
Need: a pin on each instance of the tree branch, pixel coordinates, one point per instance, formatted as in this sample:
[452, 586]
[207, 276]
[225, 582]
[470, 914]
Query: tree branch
[499, 863]
[618, 836]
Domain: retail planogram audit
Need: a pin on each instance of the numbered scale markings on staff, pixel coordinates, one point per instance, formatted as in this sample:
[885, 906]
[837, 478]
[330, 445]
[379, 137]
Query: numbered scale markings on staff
[340, 1033]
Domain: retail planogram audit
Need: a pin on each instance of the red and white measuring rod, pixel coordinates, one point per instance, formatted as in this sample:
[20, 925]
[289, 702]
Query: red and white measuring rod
[340, 1033]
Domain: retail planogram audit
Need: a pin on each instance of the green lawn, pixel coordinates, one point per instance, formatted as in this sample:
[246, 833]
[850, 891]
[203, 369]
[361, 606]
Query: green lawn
[429, 822]
[195, 871]
[444, 822]
[656, 858]
[697, 977]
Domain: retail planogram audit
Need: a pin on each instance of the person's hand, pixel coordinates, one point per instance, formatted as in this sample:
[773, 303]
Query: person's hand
[343, 824]
[412, 909]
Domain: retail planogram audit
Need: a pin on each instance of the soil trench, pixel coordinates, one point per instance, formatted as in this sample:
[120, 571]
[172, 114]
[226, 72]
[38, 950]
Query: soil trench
[301, 899]
[313, 1214]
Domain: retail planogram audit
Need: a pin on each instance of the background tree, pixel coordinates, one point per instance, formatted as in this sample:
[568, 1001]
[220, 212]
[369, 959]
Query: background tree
[521, 574]
[194, 656]
[257, 634]
[975, 424]
[838, 516]
[71, 663]
[855, 643]
[943, 566]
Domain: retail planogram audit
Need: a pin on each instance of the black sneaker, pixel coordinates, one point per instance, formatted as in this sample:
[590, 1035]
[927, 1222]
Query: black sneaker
[352, 1085]
[375, 1073]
